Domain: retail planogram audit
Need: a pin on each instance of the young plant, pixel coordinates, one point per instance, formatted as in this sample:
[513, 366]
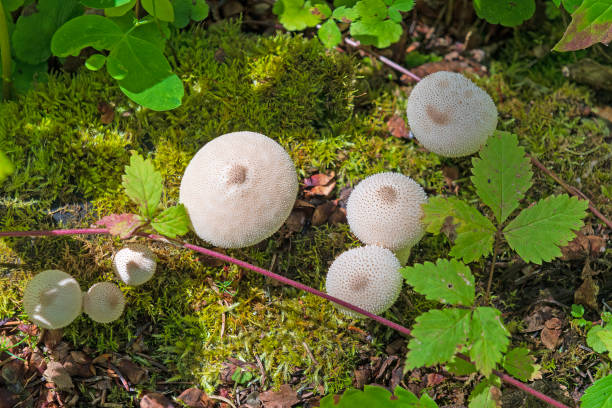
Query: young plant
[599, 338]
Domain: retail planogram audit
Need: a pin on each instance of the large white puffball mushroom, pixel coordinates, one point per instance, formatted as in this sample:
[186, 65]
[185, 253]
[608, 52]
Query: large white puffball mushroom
[367, 277]
[134, 264]
[450, 115]
[239, 189]
[104, 302]
[52, 299]
[385, 209]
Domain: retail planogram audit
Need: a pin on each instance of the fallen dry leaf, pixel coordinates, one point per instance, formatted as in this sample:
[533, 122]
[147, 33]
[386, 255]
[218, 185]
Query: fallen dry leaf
[397, 127]
[322, 213]
[319, 179]
[57, 374]
[107, 112]
[434, 379]
[285, 397]
[583, 245]
[586, 294]
[195, 398]
[134, 373]
[604, 112]
[122, 225]
[296, 221]
[155, 400]
[337, 217]
[551, 333]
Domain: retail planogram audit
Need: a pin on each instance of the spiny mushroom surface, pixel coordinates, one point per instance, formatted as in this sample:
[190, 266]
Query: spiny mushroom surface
[52, 299]
[450, 115]
[385, 209]
[367, 277]
[135, 264]
[239, 189]
[104, 302]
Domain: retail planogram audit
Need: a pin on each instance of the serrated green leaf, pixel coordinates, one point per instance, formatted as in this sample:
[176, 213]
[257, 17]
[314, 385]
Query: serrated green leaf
[371, 9]
[537, 232]
[172, 222]
[162, 9]
[295, 15]
[508, 13]
[577, 310]
[31, 39]
[598, 395]
[489, 338]
[449, 282]
[475, 232]
[379, 33]
[377, 397]
[436, 336]
[119, 11]
[329, 34]
[102, 4]
[486, 394]
[460, 367]
[600, 338]
[591, 23]
[143, 184]
[520, 364]
[6, 167]
[344, 14]
[95, 62]
[501, 174]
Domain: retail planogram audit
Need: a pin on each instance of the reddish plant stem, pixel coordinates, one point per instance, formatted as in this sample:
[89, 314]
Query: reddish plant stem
[286, 281]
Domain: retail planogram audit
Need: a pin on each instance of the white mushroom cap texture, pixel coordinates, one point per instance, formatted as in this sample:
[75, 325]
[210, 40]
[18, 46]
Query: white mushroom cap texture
[367, 277]
[450, 115]
[52, 299]
[239, 189]
[385, 209]
[104, 302]
[135, 264]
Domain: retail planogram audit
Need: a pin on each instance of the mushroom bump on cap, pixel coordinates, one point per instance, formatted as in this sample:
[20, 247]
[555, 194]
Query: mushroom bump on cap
[52, 299]
[239, 189]
[450, 115]
[104, 302]
[135, 264]
[385, 209]
[367, 277]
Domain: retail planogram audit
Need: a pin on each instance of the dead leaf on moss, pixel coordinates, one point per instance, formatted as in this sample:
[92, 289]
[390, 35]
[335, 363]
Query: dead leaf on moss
[134, 373]
[397, 127]
[338, 216]
[322, 213]
[604, 112]
[155, 400]
[296, 221]
[195, 398]
[107, 112]
[551, 333]
[319, 185]
[319, 179]
[57, 374]
[583, 245]
[121, 225]
[285, 397]
[586, 294]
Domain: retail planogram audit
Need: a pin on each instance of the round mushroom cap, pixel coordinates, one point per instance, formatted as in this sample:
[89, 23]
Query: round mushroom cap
[134, 264]
[239, 189]
[385, 209]
[450, 115]
[104, 302]
[52, 299]
[367, 277]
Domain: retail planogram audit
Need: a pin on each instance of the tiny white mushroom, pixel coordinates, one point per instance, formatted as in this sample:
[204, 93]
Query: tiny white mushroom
[385, 209]
[239, 189]
[450, 115]
[135, 264]
[104, 302]
[367, 277]
[52, 299]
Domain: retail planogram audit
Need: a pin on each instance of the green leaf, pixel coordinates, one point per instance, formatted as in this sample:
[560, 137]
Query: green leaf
[25, 75]
[161, 9]
[502, 174]
[371, 9]
[346, 15]
[475, 232]
[102, 4]
[598, 395]
[31, 39]
[377, 397]
[12, 5]
[172, 222]
[591, 23]
[143, 184]
[600, 338]
[329, 34]
[182, 13]
[537, 232]
[436, 336]
[119, 11]
[379, 33]
[508, 13]
[520, 364]
[85, 31]
[449, 282]
[121, 225]
[6, 167]
[295, 15]
[95, 62]
[571, 5]
[577, 310]
[199, 10]
[489, 339]
[397, 6]
[460, 367]
[486, 394]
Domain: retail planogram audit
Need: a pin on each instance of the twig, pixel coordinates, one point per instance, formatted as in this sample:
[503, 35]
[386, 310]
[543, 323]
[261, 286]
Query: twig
[312, 357]
[262, 380]
[220, 398]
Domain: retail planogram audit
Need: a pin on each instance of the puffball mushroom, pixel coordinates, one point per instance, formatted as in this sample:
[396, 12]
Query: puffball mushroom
[52, 299]
[104, 302]
[135, 264]
[239, 189]
[367, 277]
[385, 209]
[450, 115]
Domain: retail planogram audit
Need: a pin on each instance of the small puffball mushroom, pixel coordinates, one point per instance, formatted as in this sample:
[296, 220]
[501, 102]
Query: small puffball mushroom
[52, 299]
[104, 302]
[135, 264]
[239, 189]
[367, 277]
[385, 209]
[450, 115]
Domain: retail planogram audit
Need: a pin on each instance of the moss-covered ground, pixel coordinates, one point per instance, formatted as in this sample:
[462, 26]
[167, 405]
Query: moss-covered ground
[329, 111]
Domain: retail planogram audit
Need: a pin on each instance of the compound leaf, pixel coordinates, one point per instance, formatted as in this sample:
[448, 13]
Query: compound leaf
[436, 336]
[161, 9]
[397, 6]
[600, 338]
[598, 395]
[376, 32]
[295, 15]
[537, 232]
[172, 222]
[449, 282]
[501, 174]
[520, 364]
[85, 31]
[143, 184]
[591, 23]
[329, 34]
[489, 339]
[377, 397]
[508, 13]
[486, 394]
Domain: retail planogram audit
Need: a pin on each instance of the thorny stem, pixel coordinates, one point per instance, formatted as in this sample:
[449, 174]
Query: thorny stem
[492, 269]
[282, 279]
